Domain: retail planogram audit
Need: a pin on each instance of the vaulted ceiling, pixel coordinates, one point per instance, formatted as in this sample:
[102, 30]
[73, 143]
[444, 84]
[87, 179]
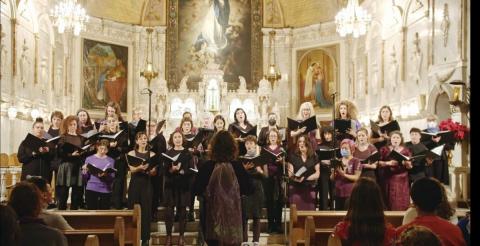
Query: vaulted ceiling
[295, 13]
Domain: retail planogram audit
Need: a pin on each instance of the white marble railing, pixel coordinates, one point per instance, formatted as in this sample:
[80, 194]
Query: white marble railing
[15, 173]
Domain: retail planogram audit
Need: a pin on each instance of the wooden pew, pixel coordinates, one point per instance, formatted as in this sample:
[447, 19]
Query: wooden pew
[104, 236]
[324, 222]
[92, 240]
[88, 220]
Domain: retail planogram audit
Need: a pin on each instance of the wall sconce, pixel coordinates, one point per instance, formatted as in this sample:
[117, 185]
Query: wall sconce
[12, 112]
[461, 95]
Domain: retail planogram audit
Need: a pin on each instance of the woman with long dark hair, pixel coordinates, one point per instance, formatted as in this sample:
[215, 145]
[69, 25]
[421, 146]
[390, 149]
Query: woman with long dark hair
[240, 124]
[221, 181]
[84, 121]
[365, 222]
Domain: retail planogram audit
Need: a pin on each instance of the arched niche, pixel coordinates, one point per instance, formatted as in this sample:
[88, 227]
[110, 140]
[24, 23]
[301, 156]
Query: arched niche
[438, 101]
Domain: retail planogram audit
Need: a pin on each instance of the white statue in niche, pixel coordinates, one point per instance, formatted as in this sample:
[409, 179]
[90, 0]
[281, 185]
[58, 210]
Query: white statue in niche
[243, 84]
[43, 74]
[394, 68]
[160, 107]
[445, 26]
[58, 79]
[374, 77]
[416, 60]
[4, 53]
[183, 84]
[23, 64]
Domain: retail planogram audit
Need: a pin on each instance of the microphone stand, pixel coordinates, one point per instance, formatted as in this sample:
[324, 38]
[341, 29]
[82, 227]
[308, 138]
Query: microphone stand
[285, 197]
[334, 139]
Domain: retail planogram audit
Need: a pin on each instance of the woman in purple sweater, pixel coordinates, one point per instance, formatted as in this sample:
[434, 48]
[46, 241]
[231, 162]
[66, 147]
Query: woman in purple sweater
[99, 185]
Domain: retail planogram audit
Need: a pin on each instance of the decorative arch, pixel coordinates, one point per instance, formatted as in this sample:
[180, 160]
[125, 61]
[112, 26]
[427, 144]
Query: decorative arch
[44, 20]
[435, 93]
[27, 5]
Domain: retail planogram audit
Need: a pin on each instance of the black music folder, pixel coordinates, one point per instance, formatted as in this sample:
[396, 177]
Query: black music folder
[244, 133]
[257, 160]
[310, 124]
[342, 125]
[328, 154]
[270, 157]
[70, 148]
[390, 127]
[435, 153]
[194, 141]
[111, 137]
[141, 126]
[134, 161]
[96, 171]
[34, 142]
[374, 157]
[448, 137]
[123, 125]
[400, 157]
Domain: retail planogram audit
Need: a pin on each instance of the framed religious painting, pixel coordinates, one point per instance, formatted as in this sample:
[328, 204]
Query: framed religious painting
[104, 74]
[214, 35]
[317, 77]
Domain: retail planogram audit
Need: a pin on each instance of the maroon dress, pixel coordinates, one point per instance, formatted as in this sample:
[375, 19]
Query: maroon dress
[394, 182]
[362, 155]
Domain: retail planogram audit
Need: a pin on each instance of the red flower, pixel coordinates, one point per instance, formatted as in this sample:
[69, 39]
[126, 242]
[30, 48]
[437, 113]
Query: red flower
[458, 129]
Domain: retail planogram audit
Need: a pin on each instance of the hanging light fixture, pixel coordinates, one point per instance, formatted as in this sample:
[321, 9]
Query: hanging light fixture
[352, 20]
[68, 15]
[273, 73]
[148, 73]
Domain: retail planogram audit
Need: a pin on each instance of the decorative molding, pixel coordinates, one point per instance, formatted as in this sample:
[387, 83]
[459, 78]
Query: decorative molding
[445, 25]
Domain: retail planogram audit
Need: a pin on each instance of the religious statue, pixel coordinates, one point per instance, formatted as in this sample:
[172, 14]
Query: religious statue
[183, 84]
[394, 68]
[23, 64]
[3, 54]
[445, 25]
[416, 60]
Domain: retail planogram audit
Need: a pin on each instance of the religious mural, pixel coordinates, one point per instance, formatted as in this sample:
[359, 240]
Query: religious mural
[104, 74]
[211, 32]
[317, 79]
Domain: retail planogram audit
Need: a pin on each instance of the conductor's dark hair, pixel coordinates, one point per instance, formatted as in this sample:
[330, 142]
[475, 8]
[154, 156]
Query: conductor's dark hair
[224, 148]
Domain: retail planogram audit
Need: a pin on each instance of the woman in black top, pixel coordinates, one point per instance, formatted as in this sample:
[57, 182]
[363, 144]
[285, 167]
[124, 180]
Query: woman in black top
[325, 185]
[140, 188]
[178, 175]
[56, 120]
[242, 123]
[69, 174]
[84, 122]
[222, 196]
[35, 162]
[158, 146]
[117, 150]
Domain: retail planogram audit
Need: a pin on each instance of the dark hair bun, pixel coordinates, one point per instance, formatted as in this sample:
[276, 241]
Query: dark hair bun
[39, 120]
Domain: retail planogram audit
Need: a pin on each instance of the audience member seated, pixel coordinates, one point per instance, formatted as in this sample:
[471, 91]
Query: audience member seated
[426, 194]
[9, 230]
[51, 219]
[464, 225]
[365, 223]
[418, 236]
[25, 200]
[445, 210]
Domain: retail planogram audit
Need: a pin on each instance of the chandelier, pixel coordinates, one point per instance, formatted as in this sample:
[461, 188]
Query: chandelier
[273, 73]
[69, 16]
[352, 20]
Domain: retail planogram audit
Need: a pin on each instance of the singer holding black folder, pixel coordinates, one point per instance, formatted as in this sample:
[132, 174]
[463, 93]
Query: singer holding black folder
[305, 112]
[239, 126]
[178, 179]
[117, 149]
[347, 111]
[325, 186]
[346, 174]
[35, 158]
[363, 150]
[140, 188]
[393, 175]
[385, 116]
[304, 171]
[69, 174]
[99, 186]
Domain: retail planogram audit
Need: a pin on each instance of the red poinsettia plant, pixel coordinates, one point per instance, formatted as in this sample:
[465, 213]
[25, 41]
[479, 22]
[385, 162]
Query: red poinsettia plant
[460, 131]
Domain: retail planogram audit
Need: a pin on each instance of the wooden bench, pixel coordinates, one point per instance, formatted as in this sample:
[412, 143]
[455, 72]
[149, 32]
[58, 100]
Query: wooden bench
[115, 236]
[105, 219]
[324, 222]
[92, 240]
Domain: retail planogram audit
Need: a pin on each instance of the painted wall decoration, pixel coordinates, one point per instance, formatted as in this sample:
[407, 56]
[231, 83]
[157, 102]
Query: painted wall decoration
[105, 71]
[222, 32]
[317, 78]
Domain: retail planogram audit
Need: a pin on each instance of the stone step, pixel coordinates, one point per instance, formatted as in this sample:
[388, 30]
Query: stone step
[191, 238]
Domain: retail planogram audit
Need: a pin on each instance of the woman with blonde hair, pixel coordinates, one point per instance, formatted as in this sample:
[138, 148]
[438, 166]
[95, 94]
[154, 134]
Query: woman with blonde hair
[306, 111]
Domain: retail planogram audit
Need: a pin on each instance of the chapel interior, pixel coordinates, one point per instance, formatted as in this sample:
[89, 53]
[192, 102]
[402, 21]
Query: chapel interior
[166, 57]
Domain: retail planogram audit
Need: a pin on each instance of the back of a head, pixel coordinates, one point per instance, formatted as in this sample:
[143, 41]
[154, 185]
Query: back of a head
[426, 194]
[9, 229]
[418, 236]
[39, 182]
[25, 200]
[224, 148]
[365, 213]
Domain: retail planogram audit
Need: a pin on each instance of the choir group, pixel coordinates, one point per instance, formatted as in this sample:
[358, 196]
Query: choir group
[310, 165]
